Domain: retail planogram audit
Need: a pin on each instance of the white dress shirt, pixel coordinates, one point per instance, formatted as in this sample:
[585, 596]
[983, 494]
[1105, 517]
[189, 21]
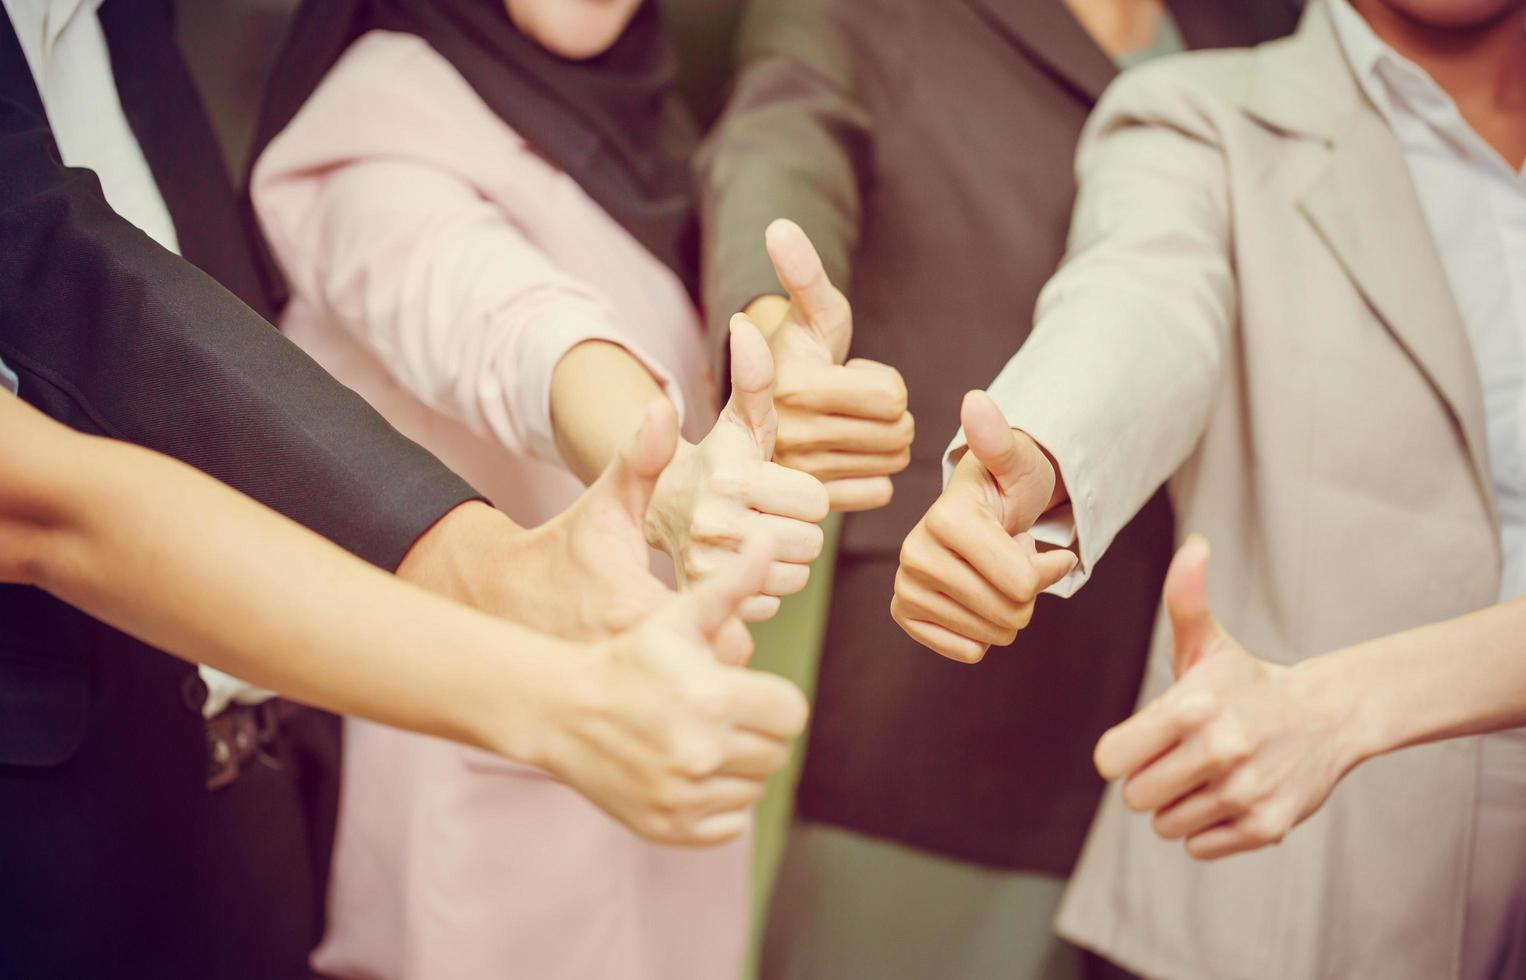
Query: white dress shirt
[1475, 205]
[66, 51]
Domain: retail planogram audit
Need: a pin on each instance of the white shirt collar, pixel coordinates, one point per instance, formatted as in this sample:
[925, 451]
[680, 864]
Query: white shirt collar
[38, 23]
[1401, 89]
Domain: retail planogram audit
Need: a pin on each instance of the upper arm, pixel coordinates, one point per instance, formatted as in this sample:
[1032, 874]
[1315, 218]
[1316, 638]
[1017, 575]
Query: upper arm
[114, 335]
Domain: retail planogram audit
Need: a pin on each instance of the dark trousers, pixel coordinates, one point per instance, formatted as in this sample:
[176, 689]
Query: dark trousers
[119, 862]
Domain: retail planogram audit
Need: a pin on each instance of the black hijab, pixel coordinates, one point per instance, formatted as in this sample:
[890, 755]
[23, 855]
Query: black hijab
[613, 122]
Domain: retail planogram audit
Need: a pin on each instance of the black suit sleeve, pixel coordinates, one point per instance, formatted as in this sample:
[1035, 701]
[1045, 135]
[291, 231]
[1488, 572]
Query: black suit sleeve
[113, 334]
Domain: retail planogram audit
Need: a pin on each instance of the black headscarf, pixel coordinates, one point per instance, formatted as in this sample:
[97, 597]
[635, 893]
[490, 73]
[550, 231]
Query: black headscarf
[613, 122]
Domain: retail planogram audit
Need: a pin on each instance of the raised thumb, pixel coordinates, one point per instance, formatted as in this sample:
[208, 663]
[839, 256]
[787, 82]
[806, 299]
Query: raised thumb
[1193, 627]
[752, 379]
[632, 477]
[799, 269]
[1022, 476]
[712, 603]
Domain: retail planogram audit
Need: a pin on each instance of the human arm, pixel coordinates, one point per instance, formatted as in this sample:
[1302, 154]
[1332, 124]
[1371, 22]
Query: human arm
[720, 491]
[117, 336]
[1110, 394]
[648, 724]
[404, 251]
[1240, 751]
[796, 141]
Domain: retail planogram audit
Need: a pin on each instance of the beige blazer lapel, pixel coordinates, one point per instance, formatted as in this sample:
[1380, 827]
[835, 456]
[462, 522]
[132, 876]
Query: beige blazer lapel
[1364, 206]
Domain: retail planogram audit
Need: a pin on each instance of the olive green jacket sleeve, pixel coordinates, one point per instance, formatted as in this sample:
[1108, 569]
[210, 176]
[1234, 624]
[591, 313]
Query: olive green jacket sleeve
[793, 142]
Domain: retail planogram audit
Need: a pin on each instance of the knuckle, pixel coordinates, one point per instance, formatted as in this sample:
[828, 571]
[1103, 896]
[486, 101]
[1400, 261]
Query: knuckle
[731, 482]
[1017, 618]
[940, 520]
[1265, 826]
[1240, 793]
[698, 760]
[913, 553]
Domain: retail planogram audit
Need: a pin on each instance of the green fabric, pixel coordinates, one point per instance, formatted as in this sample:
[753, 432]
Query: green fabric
[788, 645]
[848, 905]
[1168, 40]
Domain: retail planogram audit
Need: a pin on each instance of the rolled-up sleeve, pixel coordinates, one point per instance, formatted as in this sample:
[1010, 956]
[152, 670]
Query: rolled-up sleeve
[372, 226]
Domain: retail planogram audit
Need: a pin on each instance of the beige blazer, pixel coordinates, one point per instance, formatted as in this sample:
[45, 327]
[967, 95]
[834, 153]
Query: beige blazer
[1252, 308]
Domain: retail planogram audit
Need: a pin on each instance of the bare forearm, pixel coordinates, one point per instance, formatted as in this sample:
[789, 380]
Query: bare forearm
[176, 559]
[598, 394]
[1465, 676]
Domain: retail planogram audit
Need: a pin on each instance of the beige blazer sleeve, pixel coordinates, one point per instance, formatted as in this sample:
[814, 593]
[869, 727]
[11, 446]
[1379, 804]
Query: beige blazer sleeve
[1132, 333]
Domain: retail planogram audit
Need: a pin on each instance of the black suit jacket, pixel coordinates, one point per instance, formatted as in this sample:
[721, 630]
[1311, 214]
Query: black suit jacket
[114, 858]
[927, 148]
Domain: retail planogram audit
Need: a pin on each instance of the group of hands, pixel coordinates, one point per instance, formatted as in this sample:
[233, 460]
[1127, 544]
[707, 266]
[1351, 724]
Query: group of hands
[682, 737]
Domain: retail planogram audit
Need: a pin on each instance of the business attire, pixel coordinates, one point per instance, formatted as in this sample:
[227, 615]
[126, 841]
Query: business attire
[927, 149]
[441, 265]
[1258, 306]
[117, 854]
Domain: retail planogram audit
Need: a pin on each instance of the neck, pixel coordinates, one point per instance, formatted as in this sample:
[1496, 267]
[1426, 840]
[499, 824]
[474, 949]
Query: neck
[1483, 63]
[1482, 67]
[1120, 27]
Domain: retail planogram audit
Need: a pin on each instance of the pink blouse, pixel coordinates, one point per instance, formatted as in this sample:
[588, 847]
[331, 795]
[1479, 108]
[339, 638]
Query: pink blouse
[441, 268]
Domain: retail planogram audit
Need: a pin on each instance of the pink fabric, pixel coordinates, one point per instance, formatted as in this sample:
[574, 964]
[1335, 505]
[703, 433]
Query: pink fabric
[441, 268]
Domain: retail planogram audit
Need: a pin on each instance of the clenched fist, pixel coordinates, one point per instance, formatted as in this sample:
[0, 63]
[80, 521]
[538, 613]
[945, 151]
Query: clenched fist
[845, 424]
[969, 572]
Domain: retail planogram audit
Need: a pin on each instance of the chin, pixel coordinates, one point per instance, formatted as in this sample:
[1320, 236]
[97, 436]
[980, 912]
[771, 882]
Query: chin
[573, 29]
[1456, 14]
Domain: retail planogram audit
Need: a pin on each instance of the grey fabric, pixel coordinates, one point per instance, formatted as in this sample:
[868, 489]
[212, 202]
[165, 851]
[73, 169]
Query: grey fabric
[927, 149]
[8, 379]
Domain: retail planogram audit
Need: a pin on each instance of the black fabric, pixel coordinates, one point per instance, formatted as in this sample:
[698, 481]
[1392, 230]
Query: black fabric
[613, 122]
[117, 861]
[171, 125]
[114, 858]
[971, 110]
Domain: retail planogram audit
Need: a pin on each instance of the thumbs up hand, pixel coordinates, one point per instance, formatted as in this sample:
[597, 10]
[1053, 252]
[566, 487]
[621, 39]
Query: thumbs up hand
[659, 734]
[726, 490]
[969, 572]
[583, 575]
[845, 424]
[1239, 750]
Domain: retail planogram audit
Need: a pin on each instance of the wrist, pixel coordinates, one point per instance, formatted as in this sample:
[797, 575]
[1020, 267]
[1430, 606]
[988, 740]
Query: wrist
[458, 556]
[1046, 468]
[1341, 685]
[525, 712]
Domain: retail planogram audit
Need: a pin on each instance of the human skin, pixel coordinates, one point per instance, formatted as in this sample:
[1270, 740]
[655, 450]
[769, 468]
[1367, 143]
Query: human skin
[843, 421]
[946, 596]
[1240, 750]
[649, 724]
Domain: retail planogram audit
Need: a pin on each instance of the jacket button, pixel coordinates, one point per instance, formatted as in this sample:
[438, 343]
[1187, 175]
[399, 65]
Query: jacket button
[193, 691]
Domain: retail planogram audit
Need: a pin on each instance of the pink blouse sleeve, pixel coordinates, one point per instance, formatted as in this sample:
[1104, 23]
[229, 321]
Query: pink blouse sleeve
[464, 310]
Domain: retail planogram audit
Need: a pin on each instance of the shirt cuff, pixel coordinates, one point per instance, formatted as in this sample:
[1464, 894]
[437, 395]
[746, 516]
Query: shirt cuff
[1056, 528]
